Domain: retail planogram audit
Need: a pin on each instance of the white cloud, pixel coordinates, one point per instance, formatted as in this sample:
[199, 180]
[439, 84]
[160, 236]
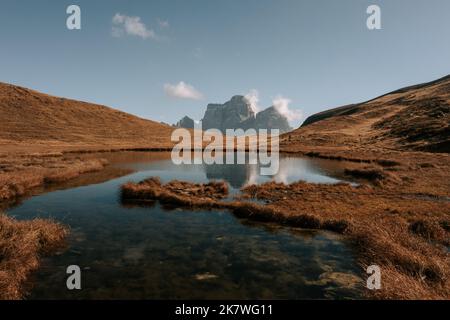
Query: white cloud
[282, 105]
[182, 90]
[163, 23]
[132, 26]
[253, 98]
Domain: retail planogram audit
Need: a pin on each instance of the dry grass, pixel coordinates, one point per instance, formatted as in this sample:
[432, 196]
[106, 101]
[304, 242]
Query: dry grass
[18, 175]
[209, 196]
[412, 172]
[22, 243]
[374, 174]
[30, 120]
[432, 230]
[400, 222]
[411, 267]
[415, 118]
[178, 193]
[74, 170]
[406, 236]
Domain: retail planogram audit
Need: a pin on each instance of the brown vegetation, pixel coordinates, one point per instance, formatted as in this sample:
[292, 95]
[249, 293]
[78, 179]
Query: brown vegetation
[400, 219]
[397, 218]
[21, 245]
[210, 196]
[23, 242]
[413, 118]
[179, 193]
[20, 174]
[31, 120]
[405, 235]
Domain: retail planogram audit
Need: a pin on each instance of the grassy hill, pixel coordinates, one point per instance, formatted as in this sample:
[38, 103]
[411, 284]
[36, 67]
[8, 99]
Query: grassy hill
[32, 119]
[412, 118]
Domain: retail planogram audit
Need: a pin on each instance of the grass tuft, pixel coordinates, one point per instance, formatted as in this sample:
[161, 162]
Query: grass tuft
[22, 243]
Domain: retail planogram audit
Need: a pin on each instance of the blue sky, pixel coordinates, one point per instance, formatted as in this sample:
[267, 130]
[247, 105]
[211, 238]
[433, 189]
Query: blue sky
[318, 54]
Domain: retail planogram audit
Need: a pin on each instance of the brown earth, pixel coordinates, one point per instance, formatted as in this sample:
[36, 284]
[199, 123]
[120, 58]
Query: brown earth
[31, 121]
[412, 118]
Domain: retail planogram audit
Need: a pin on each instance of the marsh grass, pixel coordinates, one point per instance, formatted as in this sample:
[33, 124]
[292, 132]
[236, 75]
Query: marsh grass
[180, 193]
[405, 241]
[406, 237]
[30, 173]
[22, 244]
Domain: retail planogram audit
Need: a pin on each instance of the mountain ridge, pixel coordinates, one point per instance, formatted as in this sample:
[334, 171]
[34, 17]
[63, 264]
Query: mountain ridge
[347, 108]
[237, 113]
[31, 117]
[416, 118]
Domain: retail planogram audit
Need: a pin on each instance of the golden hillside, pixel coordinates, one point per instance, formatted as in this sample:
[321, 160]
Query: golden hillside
[33, 119]
[412, 118]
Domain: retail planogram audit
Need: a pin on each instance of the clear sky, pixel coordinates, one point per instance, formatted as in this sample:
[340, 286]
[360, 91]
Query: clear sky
[318, 54]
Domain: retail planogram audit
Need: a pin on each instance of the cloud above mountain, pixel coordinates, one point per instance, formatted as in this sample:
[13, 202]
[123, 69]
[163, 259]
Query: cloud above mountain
[132, 26]
[182, 90]
[253, 99]
[282, 105]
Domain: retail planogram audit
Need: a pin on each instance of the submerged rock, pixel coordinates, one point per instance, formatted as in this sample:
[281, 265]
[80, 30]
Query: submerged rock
[205, 276]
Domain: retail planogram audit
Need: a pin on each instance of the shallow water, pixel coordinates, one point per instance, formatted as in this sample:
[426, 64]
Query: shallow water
[147, 253]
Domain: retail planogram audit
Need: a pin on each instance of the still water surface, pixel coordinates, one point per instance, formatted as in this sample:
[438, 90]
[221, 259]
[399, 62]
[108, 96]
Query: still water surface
[151, 253]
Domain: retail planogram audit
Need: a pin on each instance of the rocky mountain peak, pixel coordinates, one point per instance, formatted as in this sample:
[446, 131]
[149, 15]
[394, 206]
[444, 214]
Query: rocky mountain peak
[237, 113]
[185, 122]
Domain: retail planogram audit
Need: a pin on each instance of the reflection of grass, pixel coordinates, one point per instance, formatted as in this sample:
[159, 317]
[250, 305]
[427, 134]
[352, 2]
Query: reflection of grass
[406, 237]
[375, 174]
[209, 195]
[371, 174]
[176, 192]
[394, 232]
[20, 174]
[21, 245]
[23, 242]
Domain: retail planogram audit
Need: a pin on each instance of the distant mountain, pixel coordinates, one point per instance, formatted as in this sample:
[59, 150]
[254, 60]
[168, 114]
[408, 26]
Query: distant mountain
[412, 118]
[272, 119]
[238, 114]
[229, 115]
[186, 122]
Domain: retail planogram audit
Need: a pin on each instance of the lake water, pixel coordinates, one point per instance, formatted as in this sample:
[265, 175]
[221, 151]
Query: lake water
[128, 252]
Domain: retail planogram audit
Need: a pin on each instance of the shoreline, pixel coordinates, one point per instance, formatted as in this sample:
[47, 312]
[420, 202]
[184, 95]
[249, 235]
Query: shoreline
[406, 246]
[400, 182]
